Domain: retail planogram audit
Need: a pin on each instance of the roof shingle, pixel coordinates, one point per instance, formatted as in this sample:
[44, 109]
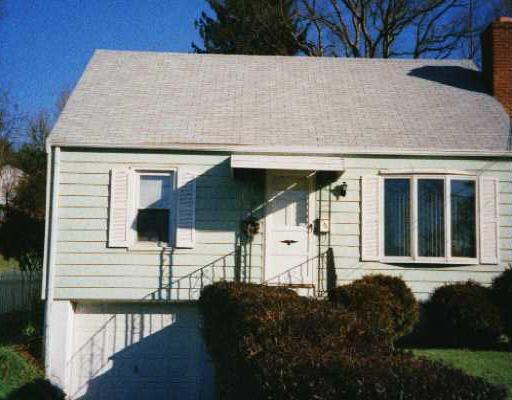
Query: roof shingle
[138, 99]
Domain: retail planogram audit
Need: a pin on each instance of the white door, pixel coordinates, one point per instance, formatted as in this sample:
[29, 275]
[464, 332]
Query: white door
[139, 351]
[289, 229]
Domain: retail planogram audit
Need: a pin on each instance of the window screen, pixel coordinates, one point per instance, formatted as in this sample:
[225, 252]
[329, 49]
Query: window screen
[154, 204]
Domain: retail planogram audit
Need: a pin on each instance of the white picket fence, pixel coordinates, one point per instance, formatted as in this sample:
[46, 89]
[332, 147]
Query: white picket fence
[19, 290]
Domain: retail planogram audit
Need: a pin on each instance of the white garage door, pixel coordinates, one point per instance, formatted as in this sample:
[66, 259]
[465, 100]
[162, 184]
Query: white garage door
[139, 351]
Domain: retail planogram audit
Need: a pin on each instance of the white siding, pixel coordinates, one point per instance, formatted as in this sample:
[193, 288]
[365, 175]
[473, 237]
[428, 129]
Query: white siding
[86, 268]
[345, 223]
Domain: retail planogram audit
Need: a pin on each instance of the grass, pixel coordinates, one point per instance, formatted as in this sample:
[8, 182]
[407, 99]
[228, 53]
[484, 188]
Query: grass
[7, 265]
[20, 354]
[495, 366]
[16, 369]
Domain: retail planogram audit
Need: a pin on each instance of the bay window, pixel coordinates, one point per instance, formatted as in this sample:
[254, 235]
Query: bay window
[429, 218]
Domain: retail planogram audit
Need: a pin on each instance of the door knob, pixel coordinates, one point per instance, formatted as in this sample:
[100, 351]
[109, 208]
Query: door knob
[288, 241]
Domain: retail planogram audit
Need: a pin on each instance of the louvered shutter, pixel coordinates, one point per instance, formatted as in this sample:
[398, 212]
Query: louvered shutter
[119, 207]
[186, 209]
[489, 220]
[370, 220]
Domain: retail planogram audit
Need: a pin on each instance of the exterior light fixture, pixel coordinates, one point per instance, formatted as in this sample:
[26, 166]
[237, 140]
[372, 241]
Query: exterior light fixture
[340, 190]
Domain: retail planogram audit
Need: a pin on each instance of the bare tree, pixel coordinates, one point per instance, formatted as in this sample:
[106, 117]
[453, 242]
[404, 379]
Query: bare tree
[394, 28]
[9, 123]
[9, 176]
[480, 15]
[38, 130]
[506, 7]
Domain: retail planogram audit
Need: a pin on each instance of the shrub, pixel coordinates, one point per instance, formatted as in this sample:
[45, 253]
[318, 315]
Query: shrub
[268, 343]
[243, 322]
[407, 309]
[372, 304]
[405, 377]
[24, 328]
[462, 315]
[386, 303]
[501, 292]
[39, 389]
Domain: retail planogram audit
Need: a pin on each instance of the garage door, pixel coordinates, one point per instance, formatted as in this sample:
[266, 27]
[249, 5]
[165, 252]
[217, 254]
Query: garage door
[139, 351]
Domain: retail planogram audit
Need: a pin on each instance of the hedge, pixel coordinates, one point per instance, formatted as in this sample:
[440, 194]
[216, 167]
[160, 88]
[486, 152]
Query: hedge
[39, 389]
[269, 343]
[501, 292]
[463, 315]
[384, 299]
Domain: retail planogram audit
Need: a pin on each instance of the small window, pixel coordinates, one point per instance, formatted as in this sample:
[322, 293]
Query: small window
[437, 223]
[154, 205]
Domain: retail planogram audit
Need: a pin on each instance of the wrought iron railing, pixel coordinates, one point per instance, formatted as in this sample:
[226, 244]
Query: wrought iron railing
[313, 277]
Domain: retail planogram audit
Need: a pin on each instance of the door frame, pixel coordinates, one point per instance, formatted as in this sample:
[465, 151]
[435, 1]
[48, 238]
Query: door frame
[311, 177]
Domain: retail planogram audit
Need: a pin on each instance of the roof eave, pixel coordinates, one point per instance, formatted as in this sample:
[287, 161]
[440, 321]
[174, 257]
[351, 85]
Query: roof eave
[294, 150]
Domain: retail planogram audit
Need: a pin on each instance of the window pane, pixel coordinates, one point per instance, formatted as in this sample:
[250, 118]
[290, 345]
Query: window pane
[397, 224]
[463, 218]
[153, 225]
[155, 191]
[431, 218]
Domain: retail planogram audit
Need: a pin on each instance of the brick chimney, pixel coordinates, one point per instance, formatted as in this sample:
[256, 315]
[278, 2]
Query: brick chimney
[497, 60]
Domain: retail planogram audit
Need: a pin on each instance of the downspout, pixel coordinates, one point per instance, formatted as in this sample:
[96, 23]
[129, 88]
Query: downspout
[319, 269]
[52, 189]
[46, 221]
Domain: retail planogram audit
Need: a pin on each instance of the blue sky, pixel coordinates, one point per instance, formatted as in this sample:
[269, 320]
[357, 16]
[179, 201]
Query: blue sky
[45, 44]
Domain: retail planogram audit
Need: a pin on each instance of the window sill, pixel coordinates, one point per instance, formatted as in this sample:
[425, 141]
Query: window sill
[150, 247]
[427, 260]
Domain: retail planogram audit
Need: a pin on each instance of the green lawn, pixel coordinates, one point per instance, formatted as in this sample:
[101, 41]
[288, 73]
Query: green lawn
[19, 354]
[495, 366]
[16, 369]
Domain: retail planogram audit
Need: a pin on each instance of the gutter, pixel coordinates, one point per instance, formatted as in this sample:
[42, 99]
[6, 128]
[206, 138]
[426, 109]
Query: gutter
[288, 150]
[46, 220]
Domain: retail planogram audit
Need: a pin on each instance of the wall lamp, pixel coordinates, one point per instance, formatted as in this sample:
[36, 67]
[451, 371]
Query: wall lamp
[340, 190]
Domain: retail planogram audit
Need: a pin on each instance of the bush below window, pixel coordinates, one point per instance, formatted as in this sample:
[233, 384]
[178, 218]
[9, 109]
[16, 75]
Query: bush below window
[385, 300]
[463, 315]
[269, 343]
[501, 292]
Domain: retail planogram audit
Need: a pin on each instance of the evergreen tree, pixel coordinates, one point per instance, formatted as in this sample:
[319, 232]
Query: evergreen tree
[258, 27]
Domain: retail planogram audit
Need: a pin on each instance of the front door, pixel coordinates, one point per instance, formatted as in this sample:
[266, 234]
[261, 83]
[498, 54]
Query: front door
[289, 229]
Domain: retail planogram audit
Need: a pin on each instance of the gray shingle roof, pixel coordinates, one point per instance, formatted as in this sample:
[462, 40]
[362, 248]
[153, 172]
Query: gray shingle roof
[139, 99]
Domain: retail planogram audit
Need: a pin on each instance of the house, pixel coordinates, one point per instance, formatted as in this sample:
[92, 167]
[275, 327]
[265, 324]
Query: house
[9, 178]
[171, 171]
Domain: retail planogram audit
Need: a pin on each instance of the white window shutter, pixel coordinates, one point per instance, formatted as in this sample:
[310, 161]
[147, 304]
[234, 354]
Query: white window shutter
[489, 220]
[119, 207]
[186, 209]
[370, 219]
